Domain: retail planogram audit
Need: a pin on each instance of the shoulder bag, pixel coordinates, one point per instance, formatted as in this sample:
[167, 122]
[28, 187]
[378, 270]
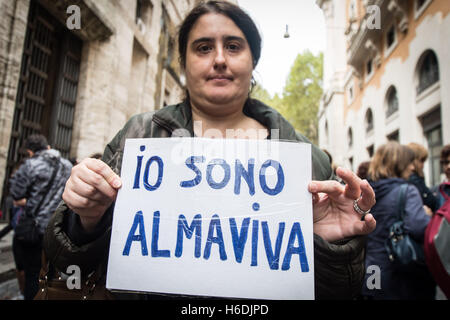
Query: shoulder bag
[52, 286]
[27, 229]
[403, 251]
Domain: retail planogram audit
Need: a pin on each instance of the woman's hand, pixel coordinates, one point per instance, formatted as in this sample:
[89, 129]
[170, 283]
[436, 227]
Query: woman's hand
[333, 212]
[90, 190]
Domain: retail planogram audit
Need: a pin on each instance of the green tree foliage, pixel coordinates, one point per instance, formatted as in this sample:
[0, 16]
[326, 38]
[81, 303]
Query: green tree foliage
[258, 92]
[300, 99]
[302, 92]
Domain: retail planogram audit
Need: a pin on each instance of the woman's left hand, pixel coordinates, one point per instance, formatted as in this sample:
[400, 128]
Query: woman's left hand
[333, 212]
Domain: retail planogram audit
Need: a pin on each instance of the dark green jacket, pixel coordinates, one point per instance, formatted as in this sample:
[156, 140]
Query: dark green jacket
[339, 267]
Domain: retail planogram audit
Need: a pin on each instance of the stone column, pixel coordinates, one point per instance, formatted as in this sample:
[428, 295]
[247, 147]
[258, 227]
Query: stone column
[13, 25]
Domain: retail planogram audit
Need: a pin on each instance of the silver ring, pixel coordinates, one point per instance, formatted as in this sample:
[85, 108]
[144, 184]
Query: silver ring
[358, 209]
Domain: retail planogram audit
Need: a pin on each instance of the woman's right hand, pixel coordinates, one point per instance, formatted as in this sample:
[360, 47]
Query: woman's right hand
[90, 190]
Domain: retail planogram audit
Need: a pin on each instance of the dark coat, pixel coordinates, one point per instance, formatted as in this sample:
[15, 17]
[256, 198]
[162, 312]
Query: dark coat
[438, 194]
[339, 267]
[394, 284]
[31, 179]
[427, 196]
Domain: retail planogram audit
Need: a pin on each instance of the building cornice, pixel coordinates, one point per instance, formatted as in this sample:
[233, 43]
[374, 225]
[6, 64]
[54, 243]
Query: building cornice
[96, 25]
[357, 50]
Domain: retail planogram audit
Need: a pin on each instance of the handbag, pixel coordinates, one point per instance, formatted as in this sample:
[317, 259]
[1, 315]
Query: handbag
[52, 286]
[27, 229]
[403, 251]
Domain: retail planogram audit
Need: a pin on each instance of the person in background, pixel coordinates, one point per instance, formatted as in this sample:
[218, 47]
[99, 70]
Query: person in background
[442, 190]
[390, 167]
[31, 181]
[417, 178]
[362, 170]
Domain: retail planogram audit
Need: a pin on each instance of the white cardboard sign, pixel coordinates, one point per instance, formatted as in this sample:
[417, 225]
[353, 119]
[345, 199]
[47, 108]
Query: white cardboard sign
[210, 217]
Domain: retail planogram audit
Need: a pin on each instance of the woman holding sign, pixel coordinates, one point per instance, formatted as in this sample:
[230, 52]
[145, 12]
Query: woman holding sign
[219, 47]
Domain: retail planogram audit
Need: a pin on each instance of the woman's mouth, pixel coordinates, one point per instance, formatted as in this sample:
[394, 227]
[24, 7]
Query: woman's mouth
[220, 77]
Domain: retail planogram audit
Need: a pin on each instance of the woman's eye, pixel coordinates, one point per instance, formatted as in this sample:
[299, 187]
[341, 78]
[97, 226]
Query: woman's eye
[233, 47]
[204, 48]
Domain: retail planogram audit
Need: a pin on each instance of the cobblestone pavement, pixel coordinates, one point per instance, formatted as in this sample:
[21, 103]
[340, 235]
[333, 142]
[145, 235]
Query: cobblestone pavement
[9, 287]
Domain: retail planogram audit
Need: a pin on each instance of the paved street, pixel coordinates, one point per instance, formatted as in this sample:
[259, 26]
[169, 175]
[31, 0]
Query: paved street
[9, 288]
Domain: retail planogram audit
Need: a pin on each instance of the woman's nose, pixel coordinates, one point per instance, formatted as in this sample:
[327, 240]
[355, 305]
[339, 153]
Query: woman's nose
[219, 60]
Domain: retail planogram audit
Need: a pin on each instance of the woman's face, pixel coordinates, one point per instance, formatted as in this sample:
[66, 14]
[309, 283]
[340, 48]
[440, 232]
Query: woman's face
[446, 167]
[421, 163]
[409, 170]
[218, 65]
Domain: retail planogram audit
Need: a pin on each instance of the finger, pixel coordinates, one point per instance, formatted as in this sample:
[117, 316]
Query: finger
[330, 187]
[89, 191]
[353, 182]
[367, 200]
[365, 227]
[105, 171]
[315, 198]
[78, 203]
[95, 180]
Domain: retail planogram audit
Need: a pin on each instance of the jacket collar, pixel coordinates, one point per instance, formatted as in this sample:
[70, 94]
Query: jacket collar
[179, 116]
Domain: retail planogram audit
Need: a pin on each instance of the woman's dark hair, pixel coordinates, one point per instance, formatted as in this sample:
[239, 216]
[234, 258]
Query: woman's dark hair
[239, 17]
[445, 152]
[363, 169]
[36, 142]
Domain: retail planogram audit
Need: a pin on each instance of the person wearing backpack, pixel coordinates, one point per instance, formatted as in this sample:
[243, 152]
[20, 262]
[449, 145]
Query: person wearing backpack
[389, 169]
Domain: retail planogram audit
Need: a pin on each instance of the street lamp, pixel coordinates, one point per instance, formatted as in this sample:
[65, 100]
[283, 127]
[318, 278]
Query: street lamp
[286, 34]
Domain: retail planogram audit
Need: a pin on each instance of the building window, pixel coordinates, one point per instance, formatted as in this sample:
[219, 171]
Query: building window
[352, 11]
[370, 150]
[394, 136]
[144, 11]
[420, 3]
[390, 37]
[350, 94]
[428, 71]
[432, 128]
[392, 102]
[369, 67]
[420, 6]
[369, 121]
[350, 137]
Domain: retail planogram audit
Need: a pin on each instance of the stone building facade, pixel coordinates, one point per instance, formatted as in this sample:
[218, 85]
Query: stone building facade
[78, 85]
[385, 78]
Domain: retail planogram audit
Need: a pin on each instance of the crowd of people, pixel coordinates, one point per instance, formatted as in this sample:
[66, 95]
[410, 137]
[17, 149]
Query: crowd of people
[394, 165]
[219, 47]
